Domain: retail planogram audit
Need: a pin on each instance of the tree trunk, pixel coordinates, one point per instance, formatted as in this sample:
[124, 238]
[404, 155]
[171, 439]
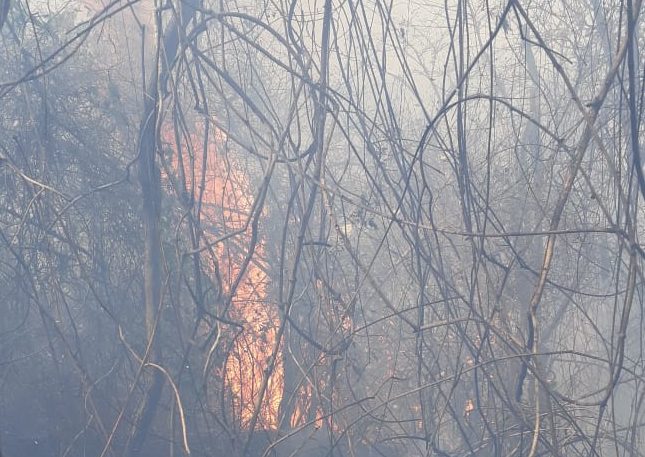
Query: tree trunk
[150, 181]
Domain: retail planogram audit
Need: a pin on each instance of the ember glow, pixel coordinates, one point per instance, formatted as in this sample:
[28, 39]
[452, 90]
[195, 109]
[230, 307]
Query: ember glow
[227, 202]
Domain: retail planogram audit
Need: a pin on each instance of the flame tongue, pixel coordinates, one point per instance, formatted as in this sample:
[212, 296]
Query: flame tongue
[227, 200]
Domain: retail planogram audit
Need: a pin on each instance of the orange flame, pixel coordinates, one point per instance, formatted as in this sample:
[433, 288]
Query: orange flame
[227, 202]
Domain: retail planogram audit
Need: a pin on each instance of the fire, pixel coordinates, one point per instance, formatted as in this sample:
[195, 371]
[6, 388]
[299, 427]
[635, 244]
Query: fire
[227, 204]
[303, 405]
[227, 201]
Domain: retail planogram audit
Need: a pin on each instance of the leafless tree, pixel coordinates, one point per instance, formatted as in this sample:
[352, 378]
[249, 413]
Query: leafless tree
[325, 228]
